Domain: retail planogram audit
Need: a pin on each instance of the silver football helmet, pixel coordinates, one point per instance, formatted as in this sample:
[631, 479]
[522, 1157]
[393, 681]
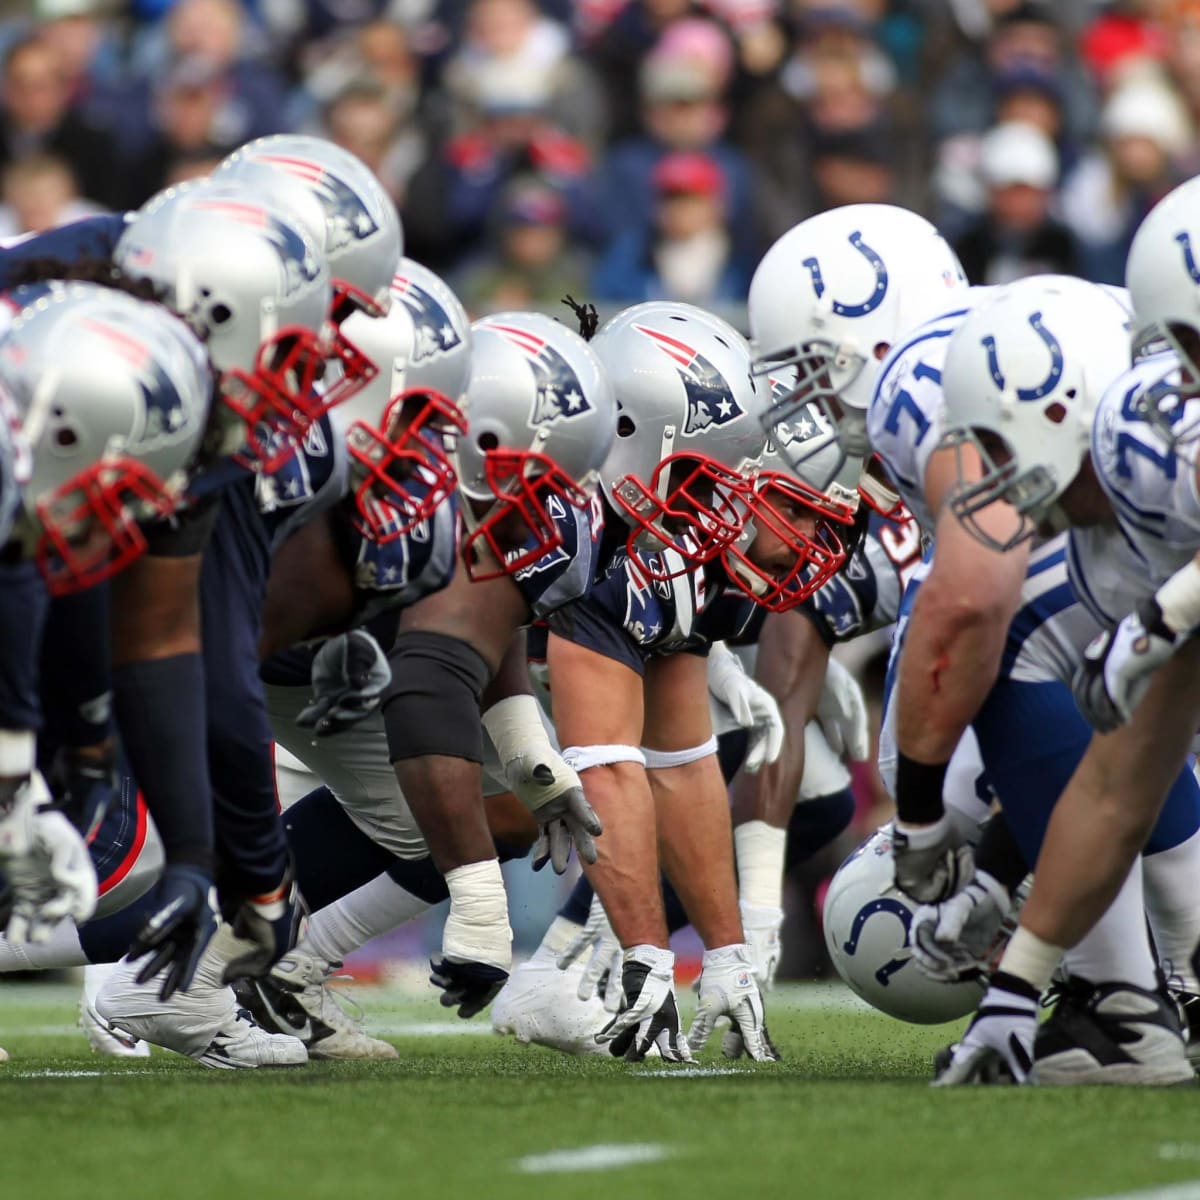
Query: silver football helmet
[541, 417]
[400, 422]
[363, 241]
[867, 922]
[250, 282]
[113, 397]
[688, 429]
[833, 293]
[1022, 378]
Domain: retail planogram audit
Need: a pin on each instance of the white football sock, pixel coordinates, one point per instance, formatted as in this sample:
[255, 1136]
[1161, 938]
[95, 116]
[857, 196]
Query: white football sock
[61, 949]
[351, 922]
[1118, 947]
[1173, 906]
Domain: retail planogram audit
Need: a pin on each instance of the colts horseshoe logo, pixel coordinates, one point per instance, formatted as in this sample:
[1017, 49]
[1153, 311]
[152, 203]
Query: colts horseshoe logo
[874, 300]
[1052, 379]
[1189, 261]
[864, 915]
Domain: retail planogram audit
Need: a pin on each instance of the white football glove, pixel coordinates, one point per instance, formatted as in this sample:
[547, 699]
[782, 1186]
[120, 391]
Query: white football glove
[998, 1044]
[842, 712]
[750, 705]
[1119, 664]
[933, 862]
[598, 937]
[824, 772]
[651, 1016]
[953, 941]
[761, 925]
[546, 785]
[729, 990]
[46, 862]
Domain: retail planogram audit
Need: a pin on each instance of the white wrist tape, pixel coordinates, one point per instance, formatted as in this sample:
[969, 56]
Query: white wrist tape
[660, 759]
[1031, 959]
[923, 837]
[1179, 599]
[759, 849]
[477, 927]
[18, 752]
[515, 726]
[581, 758]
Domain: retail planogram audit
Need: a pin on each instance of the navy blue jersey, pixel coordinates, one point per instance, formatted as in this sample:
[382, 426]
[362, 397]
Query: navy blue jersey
[565, 574]
[91, 238]
[24, 604]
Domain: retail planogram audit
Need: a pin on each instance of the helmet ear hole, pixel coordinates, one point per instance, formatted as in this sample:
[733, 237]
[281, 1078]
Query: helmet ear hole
[220, 313]
[625, 426]
[1056, 413]
[487, 441]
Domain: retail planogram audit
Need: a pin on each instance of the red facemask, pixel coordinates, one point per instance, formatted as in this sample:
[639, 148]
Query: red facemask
[89, 532]
[697, 519]
[520, 528]
[816, 556]
[404, 476]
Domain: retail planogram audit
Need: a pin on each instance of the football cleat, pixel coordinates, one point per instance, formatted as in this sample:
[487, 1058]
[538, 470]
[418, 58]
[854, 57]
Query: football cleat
[1188, 1004]
[539, 1005]
[203, 1023]
[1111, 1033]
[295, 999]
[112, 1043]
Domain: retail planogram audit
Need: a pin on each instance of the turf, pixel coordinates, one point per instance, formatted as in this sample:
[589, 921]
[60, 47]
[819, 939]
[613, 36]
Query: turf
[848, 1114]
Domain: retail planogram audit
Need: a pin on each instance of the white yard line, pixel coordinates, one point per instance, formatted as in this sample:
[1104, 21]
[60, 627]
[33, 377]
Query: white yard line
[603, 1157]
[1189, 1190]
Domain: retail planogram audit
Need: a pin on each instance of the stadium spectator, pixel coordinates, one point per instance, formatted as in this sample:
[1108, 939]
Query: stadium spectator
[37, 117]
[1146, 136]
[532, 262]
[39, 193]
[689, 254]
[1017, 235]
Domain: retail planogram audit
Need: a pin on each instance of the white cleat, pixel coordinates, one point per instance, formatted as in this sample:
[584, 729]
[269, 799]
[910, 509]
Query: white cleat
[203, 1023]
[112, 1043]
[539, 1004]
[1111, 1033]
[296, 999]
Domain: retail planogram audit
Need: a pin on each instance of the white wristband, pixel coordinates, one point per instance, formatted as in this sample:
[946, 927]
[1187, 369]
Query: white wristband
[477, 928]
[760, 851]
[515, 726]
[1179, 599]
[18, 752]
[1030, 958]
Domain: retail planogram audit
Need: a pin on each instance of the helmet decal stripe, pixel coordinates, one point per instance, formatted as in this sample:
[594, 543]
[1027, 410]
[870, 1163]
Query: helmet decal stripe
[710, 398]
[1189, 261]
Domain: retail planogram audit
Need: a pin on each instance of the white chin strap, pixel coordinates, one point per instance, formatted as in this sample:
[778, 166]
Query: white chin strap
[878, 492]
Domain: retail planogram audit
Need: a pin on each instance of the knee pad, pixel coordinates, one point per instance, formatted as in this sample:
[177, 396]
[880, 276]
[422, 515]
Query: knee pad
[580, 758]
[432, 705]
[679, 758]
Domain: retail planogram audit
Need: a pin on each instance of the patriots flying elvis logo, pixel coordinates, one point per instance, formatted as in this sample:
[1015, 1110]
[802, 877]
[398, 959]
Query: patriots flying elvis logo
[435, 332]
[346, 216]
[559, 392]
[301, 267]
[710, 398]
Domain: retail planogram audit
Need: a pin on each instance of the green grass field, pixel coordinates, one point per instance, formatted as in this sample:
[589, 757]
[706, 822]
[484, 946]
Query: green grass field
[848, 1114]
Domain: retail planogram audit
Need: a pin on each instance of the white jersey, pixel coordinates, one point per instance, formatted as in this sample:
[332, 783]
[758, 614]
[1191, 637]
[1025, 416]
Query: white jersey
[905, 421]
[1152, 490]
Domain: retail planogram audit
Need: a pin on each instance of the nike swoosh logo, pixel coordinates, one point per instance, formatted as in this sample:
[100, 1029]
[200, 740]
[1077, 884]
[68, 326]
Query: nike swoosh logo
[285, 1025]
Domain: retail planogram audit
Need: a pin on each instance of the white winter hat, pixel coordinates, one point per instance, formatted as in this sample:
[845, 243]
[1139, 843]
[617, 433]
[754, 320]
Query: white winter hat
[1151, 110]
[1016, 152]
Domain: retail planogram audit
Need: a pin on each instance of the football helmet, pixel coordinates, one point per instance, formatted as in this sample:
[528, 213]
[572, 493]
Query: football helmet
[250, 282]
[399, 424]
[867, 920]
[832, 294]
[541, 417]
[363, 241]
[801, 518]
[1162, 274]
[1022, 378]
[113, 397]
[688, 429]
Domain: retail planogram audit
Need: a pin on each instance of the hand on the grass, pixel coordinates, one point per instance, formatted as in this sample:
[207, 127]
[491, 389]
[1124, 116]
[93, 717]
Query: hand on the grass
[761, 924]
[471, 986]
[651, 1016]
[728, 990]
[604, 964]
[998, 1044]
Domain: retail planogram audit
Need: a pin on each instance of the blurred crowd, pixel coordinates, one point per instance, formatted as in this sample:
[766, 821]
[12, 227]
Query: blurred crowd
[627, 149]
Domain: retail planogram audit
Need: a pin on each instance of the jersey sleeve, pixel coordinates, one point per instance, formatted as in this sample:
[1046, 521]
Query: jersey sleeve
[565, 574]
[93, 237]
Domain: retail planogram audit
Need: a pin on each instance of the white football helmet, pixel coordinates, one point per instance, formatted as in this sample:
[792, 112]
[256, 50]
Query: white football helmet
[833, 293]
[113, 396]
[1162, 273]
[541, 418]
[867, 922]
[1022, 379]
[688, 430]
[399, 424]
[250, 282]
